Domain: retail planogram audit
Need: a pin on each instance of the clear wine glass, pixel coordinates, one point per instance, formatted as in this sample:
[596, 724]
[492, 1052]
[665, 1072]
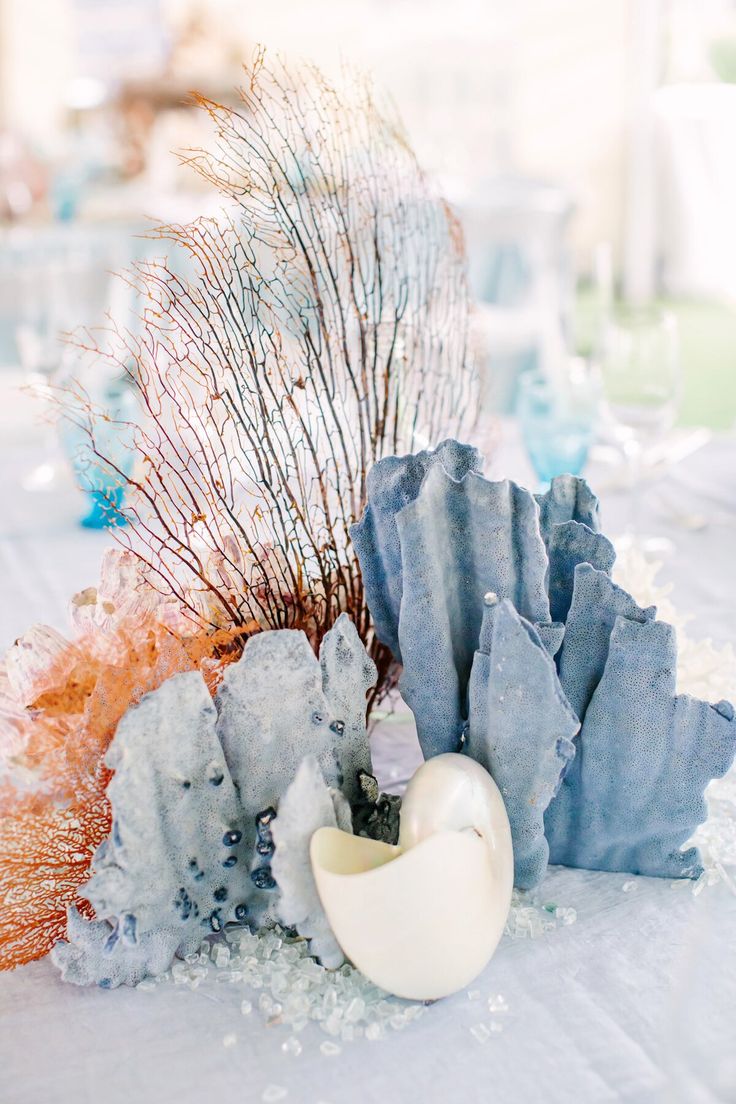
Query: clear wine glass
[61, 284]
[642, 381]
[40, 350]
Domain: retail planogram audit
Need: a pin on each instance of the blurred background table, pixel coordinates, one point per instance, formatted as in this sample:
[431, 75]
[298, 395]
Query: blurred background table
[45, 556]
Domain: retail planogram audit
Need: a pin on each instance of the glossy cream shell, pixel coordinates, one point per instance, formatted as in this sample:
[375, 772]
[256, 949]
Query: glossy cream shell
[422, 919]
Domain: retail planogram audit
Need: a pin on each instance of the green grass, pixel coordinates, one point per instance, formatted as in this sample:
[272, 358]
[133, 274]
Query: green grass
[708, 354]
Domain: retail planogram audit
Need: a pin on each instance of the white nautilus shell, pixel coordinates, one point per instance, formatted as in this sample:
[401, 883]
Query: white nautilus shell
[423, 918]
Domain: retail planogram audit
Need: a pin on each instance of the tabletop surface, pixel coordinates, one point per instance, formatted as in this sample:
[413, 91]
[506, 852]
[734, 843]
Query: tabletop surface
[624, 1004]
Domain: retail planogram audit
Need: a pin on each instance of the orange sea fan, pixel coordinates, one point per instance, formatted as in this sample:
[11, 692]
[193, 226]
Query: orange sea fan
[60, 703]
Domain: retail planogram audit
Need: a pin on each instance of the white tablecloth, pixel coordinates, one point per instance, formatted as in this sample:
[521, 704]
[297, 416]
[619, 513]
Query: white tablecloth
[621, 1005]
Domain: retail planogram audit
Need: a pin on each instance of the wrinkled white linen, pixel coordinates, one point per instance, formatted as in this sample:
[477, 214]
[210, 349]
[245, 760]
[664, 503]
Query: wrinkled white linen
[628, 1003]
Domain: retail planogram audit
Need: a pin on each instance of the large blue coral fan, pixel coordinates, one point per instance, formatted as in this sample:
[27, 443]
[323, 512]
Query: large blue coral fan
[519, 649]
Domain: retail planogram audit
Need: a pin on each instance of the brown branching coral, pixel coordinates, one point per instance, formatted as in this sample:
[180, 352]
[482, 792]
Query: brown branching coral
[283, 347]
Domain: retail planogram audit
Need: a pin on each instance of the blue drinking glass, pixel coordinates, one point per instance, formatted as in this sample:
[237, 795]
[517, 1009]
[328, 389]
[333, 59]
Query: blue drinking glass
[104, 481]
[557, 420]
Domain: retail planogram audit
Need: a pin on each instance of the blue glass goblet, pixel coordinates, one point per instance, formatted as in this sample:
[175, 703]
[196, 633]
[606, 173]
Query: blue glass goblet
[557, 420]
[100, 449]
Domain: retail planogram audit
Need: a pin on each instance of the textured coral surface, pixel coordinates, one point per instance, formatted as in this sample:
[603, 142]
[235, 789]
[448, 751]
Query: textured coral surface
[197, 799]
[626, 792]
[60, 704]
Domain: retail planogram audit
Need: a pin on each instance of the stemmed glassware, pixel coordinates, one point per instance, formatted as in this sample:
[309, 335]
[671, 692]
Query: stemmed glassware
[640, 370]
[61, 282]
[557, 416]
[42, 316]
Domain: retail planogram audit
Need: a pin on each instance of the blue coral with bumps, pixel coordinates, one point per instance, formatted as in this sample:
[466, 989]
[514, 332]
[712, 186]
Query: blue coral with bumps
[518, 649]
[195, 794]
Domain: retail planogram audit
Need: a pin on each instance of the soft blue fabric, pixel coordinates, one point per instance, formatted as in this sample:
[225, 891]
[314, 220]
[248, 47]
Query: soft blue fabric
[572, 543]
[459, 540]
[633, 794]
[521, 729]
[569, 498]
[391, 484]
[596, 603]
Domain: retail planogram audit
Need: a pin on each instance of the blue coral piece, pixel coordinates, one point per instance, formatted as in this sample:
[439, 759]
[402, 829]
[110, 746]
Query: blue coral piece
[177, 821]
[348, 673]
[633, 795]
[392, 483]
[596, 603]
[195, 793]
[95, 953]
[276, 705]
[572, 543]
[551, 633]
[434, 541]
[521, 729]
[173, 868]
[569, 498]
[460, 539]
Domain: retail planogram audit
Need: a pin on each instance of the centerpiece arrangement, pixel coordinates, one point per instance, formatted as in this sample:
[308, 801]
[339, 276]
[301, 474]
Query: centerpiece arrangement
[196, 762]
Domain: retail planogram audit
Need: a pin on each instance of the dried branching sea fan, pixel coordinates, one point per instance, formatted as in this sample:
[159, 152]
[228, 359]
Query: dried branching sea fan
[319, 324]
[60, 703]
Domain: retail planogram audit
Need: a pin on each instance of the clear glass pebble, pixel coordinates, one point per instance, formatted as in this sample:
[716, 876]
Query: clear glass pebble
[355, 1010]
[221, 956]
[230, 1040]
[329, 1049]
[480, 1033]
[273, 1093]
[288, 988]
[292, 1046]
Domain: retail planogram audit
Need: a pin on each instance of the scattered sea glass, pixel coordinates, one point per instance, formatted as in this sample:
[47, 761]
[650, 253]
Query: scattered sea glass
[290, 989]
[273, 1093]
